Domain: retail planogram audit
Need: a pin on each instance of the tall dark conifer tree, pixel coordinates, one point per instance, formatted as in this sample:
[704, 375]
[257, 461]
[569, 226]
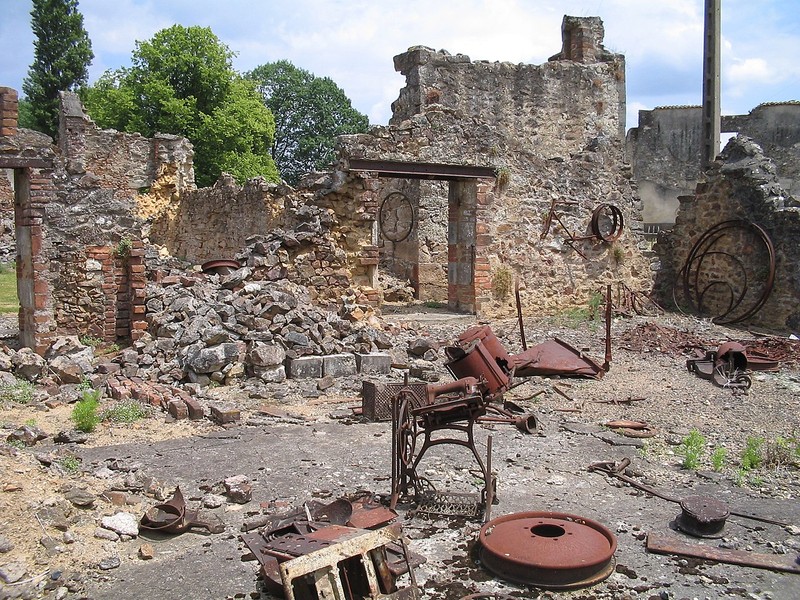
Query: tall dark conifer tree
[62, 55]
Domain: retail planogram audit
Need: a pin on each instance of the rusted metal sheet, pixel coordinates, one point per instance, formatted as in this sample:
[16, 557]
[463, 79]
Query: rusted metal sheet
[662, 544]
[548, 549]
[555, 357]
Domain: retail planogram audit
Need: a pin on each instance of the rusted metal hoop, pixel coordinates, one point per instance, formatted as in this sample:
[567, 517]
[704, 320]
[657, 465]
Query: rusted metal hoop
[395, 236]
[617, 222]
[702, 247]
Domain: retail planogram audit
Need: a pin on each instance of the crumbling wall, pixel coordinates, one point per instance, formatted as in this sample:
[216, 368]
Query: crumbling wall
[665, 151]
[214, 223]
[742, 186]
[776, 128]
[553, 133]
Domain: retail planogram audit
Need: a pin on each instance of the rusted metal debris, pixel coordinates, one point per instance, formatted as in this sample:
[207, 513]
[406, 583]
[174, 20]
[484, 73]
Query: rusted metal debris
[554, 357]
[632, 429]
[619, 471]
[606, 225]
[547, 549]
[662, 544]
[769, 351]
[316, 551]
[220, 266]
[699, 274]
[448, 416]
[702, 516]
[174, 517]
[727, 367]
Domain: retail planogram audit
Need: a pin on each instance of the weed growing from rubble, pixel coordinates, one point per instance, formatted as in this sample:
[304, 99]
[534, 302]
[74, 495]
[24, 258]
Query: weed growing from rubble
[84, 414]
[692, 447]
[718, 458]
[781, 452]
[126, 411]
[18, 444]
[30, 422]
[594, 306]
[20, 392]
[123, 248]
[69, 464]
[90, 340]
[752, 456]
[502, 282]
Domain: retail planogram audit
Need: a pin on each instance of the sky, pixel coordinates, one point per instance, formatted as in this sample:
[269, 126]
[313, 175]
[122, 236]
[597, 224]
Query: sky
[353, 41]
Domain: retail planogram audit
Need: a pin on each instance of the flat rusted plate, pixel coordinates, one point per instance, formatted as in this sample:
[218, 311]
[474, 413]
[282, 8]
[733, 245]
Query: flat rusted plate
[548, 549]
[555, 357]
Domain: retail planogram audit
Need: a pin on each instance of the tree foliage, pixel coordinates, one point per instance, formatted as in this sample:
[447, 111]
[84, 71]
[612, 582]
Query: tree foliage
[310, 112]
[62, 55]
[181, 82]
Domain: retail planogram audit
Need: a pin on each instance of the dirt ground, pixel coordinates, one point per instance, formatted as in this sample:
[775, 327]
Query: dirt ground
[54, 543]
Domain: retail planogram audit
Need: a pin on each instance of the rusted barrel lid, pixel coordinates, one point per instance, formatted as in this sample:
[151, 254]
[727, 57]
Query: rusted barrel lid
[547, 549]
[702, 516]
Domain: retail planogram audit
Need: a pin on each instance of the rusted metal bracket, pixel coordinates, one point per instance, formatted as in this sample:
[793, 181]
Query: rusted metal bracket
[661, 544]
[174, 517]
[603, 212]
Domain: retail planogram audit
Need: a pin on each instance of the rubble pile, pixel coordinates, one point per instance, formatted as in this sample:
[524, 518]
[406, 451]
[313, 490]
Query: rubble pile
[219, 327]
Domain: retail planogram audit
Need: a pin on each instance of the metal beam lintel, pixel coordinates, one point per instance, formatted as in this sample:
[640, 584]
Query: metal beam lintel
[20, 162]
[415, 170]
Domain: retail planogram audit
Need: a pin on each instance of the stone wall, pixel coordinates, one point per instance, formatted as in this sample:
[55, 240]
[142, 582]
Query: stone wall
[554, 132]
[742, 186]
[665, 151]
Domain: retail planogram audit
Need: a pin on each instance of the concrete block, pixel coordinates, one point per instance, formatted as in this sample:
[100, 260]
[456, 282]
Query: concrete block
[339, 365]
[304, 367]
[374, 362]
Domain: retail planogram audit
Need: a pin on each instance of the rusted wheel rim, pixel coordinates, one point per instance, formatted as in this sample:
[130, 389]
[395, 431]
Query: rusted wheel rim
[547, 549]
[220, 266]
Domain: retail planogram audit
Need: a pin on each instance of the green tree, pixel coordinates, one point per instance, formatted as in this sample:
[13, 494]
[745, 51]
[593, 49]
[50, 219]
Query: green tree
[309, 113]
[181, 82]
[61, 59]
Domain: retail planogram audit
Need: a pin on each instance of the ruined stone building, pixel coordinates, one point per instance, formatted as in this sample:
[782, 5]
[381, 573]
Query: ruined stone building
[535, 142]
[665, 152]
[488, 175]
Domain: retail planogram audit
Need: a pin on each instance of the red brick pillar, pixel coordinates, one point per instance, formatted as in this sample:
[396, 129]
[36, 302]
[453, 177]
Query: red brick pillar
[9, 112]
[37, 324]
[483, 242]
[137, 278]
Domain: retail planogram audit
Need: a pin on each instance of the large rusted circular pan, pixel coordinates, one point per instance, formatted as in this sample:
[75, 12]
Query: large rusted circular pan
[547, 549]
[220, 266]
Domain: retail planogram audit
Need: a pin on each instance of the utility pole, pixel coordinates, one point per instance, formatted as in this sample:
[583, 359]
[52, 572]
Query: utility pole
[711, 87]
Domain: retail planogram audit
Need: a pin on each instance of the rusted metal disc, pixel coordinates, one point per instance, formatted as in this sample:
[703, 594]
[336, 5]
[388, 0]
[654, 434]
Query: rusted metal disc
[220, 266]
[702, 516]
[548, 549]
